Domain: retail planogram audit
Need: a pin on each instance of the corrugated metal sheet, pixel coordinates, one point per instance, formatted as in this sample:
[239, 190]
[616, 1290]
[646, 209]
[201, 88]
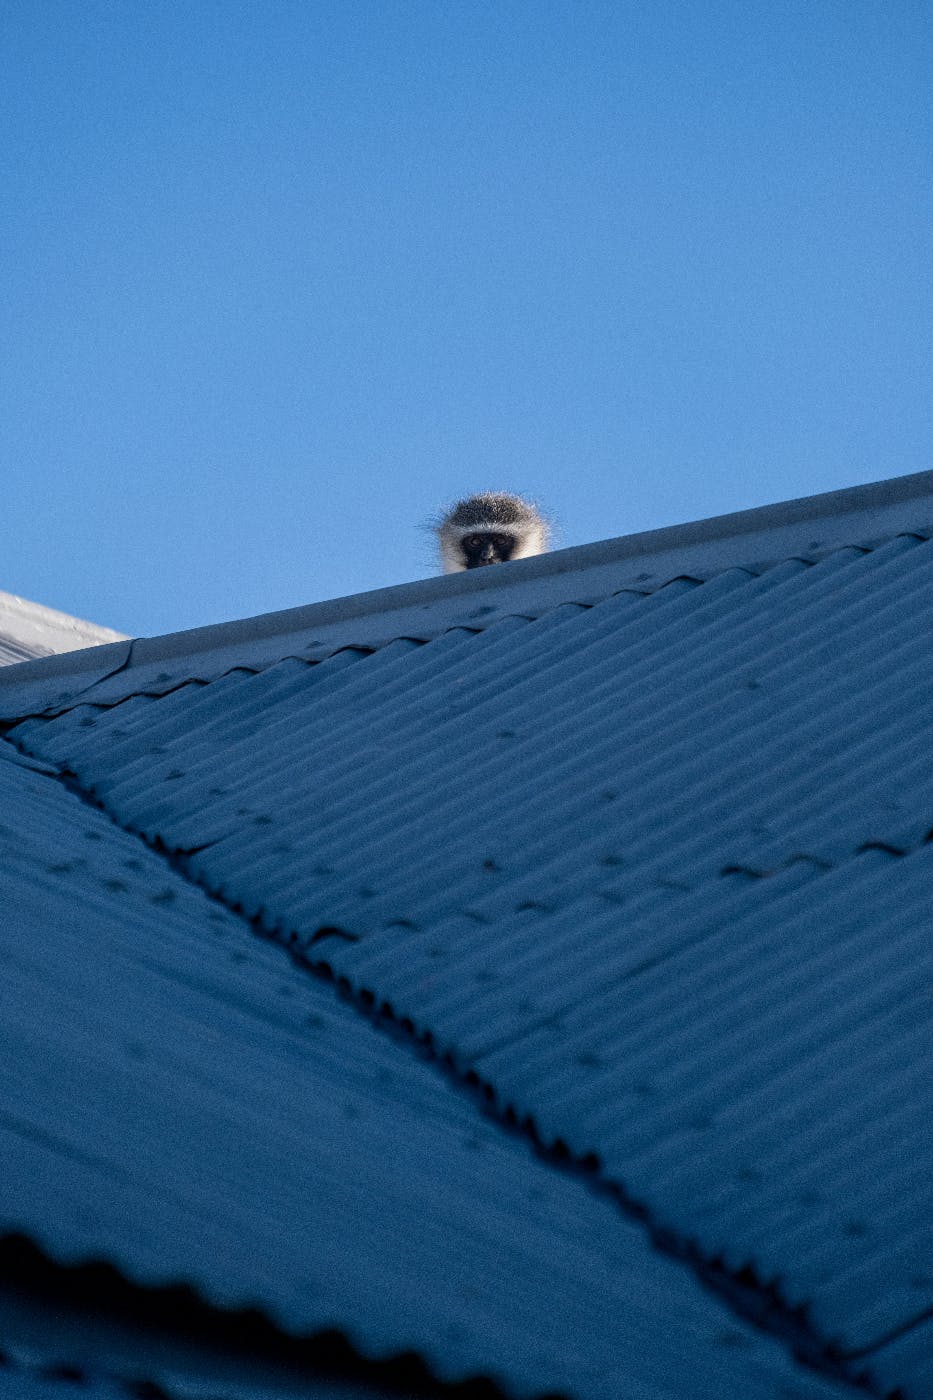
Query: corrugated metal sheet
[178, 1098]
[19, 1384]
[79, 1352]
[63, 1383]
[656, 868]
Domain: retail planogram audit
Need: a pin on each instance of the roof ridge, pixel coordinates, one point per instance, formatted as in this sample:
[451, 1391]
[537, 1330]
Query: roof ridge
[860, 516]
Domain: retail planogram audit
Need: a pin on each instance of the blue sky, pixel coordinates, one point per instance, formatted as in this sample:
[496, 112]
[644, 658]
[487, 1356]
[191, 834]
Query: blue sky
[281, 279]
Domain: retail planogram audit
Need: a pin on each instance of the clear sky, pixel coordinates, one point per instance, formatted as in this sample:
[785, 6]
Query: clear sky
[282, 277]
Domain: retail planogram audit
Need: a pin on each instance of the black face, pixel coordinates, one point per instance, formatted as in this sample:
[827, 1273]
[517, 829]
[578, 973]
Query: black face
[487, 547]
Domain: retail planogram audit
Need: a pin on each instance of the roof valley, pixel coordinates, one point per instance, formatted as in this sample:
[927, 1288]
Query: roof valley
[749, 1298]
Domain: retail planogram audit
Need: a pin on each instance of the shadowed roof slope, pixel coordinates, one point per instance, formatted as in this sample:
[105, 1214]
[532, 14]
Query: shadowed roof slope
[180, 1101]
[638, 839]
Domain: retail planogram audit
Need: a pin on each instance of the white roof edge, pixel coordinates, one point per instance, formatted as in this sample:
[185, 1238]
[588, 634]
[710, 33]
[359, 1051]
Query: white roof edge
[810, 525]
[64, 632]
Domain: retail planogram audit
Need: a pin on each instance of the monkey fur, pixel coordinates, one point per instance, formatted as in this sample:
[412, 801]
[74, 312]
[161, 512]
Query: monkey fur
[490, 528]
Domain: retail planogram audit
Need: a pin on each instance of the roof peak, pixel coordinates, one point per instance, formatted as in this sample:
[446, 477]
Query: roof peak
[809, 526]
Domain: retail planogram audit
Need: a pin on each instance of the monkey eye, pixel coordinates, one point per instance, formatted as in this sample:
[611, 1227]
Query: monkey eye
[474, 541]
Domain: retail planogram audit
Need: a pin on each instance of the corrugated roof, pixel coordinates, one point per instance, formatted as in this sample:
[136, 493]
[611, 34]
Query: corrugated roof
[18, 1383]
[29, 630]
[75, 1350]
[25, 1380]
[180, 1100]
[639, 840]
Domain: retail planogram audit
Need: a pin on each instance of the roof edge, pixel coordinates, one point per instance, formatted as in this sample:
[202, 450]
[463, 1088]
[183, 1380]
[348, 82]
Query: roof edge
[583, 573]
[75, 630]
[849, 501]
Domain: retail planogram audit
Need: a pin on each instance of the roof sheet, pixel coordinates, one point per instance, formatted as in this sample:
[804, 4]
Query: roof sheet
[644, 846]
[29, 630]
[17, 1383]
[66, 1352]
[63, 1382]
[179, 1099]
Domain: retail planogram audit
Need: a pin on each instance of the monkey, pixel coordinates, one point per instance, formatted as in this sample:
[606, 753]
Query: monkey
[490, 528]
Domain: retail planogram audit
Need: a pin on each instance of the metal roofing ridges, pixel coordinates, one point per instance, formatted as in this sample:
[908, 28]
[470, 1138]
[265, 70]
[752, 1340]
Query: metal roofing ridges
[617, 1063]
[206, 1113]
[61, 1382]
[472, 774]
[167, 1347]
[471, 766]
[18, 1383]
[714, 1039]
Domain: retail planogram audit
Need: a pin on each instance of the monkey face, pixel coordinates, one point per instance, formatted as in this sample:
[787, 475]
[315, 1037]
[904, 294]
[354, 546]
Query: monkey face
[486, 547]
[490, 528]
